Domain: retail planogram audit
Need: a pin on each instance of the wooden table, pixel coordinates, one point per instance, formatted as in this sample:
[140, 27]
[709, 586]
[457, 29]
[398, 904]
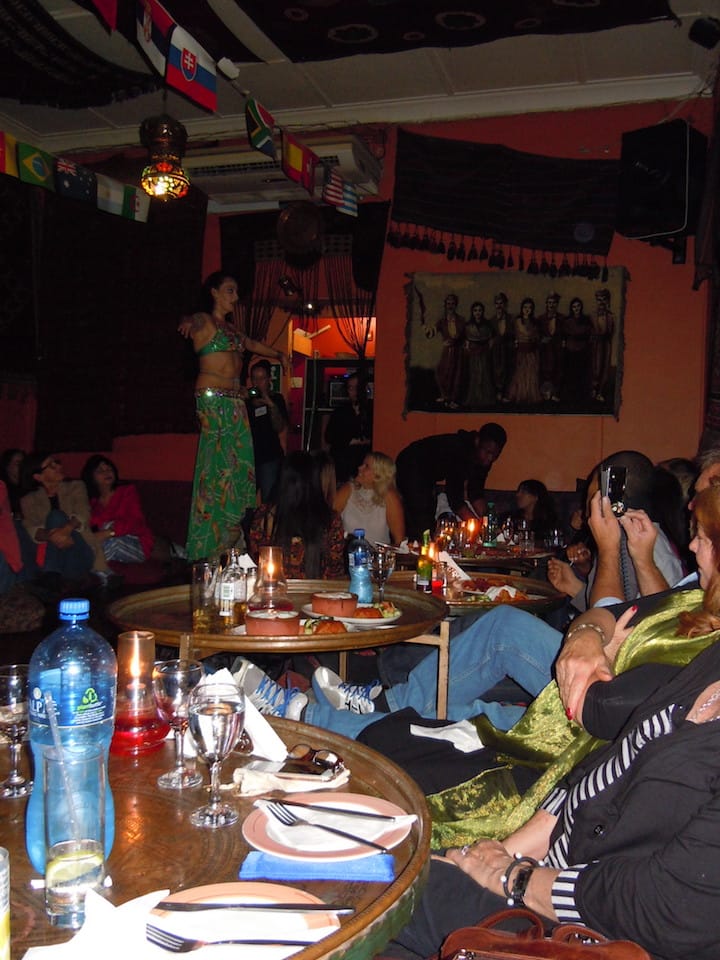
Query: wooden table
[156, 848]
[167, 614]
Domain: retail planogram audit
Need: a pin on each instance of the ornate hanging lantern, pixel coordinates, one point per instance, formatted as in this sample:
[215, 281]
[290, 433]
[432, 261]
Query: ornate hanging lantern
[165, 140]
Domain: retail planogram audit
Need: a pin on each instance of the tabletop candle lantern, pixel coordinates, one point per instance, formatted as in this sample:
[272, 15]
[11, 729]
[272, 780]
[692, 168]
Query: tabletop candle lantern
[138, 727]
[271, 589]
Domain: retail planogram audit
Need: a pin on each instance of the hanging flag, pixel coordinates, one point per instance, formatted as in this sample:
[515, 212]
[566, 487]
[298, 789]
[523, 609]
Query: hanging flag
[35, 166]
[136, 203]
[339, 193]
[298, 162]
[260, 123]
[108, 11]
[191, 69]
[153, 26]
[75, 181]
[8, 154]
[110, 194]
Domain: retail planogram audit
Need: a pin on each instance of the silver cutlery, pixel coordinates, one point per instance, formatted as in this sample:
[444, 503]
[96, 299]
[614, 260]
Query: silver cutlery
[365, 814]
[177, 944]
[194, 906]
[286, 817]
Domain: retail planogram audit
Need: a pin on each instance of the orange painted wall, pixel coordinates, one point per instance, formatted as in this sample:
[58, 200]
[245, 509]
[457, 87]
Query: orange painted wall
[665, 330]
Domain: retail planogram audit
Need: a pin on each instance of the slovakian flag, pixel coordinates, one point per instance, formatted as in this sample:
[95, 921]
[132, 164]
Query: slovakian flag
[339, 193]
[136, 203]
[191, 69]
[35, 166]
[298, 162]
[110, 194]
[108, 11]
[8, 154]
[260, 123]
[153, 26]
[75, 181]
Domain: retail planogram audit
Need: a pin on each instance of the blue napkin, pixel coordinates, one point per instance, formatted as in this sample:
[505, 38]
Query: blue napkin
[379, 868]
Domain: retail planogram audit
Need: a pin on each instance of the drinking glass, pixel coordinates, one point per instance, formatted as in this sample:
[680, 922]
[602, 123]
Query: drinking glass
[14, 724]
[173, 682]
[382, 564]
[217, 717]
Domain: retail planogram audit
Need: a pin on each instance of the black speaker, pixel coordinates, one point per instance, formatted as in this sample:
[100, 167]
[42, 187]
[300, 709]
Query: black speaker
[662, 172]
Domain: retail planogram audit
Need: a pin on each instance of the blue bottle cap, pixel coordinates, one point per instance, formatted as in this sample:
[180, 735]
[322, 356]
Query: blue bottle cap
[359, 533]
[74, 608]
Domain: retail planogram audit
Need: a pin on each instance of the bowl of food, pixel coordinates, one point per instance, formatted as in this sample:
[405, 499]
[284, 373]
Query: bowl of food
[334, 603]
[272, 623]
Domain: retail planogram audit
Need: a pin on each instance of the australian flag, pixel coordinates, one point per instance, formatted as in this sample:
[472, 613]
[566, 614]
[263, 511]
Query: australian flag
[75, 181]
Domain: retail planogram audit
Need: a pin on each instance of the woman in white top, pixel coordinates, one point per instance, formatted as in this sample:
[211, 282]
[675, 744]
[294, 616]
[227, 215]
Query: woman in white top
[372, 501]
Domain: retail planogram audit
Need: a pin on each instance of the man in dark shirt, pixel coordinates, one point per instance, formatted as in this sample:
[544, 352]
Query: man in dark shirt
[268, 419]
[463, 460]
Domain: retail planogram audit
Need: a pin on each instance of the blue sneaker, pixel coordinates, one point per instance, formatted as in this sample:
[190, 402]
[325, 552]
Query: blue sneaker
[269, 697]
[355, 697]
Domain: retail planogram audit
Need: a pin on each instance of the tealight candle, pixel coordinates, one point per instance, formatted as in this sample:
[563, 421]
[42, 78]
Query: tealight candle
[138, 728]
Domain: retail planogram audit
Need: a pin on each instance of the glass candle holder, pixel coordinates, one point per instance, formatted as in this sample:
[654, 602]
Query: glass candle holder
[138, 727]
[270, 591]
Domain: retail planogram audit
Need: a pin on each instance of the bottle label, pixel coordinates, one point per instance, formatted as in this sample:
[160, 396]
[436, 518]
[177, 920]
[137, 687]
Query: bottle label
[76, 707]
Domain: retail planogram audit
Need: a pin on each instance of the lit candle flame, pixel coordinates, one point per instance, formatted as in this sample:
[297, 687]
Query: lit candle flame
[270, 570]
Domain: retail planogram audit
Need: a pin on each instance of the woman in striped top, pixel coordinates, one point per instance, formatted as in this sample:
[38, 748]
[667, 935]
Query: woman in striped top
[629, 843]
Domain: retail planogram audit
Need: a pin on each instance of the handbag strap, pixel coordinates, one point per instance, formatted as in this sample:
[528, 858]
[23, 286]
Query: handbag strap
[535, 930]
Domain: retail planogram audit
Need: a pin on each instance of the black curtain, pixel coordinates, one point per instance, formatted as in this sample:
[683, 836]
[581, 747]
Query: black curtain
[110, 293]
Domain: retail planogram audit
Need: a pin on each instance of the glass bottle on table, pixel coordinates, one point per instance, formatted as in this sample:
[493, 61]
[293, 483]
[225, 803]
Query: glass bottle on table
[490, 526]
[423, 579]
[232, 585]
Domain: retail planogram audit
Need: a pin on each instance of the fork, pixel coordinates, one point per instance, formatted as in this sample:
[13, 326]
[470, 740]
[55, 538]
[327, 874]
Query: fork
[177, 944]
[289, 819]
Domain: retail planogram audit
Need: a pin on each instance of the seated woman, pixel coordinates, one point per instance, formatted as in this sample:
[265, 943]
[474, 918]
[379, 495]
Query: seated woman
[116, 516]
[56, 514]
[300, 520]
[372, 501]
[10, 468]
[535, 506]
[630, 835]
[20, 611]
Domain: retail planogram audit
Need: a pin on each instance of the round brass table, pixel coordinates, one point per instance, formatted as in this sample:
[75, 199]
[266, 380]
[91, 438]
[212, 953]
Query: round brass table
[157, 848]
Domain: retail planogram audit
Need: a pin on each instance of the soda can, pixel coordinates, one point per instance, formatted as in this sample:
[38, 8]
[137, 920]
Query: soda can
[4, 904]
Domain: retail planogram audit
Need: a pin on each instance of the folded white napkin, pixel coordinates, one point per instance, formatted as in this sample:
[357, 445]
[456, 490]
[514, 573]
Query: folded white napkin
[451, 565]
[463, 735]
[114, 933]
[252, 783]
[308, 838]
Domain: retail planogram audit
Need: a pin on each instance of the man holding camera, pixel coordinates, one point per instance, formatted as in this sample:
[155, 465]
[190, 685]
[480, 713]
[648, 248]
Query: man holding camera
[268, 417]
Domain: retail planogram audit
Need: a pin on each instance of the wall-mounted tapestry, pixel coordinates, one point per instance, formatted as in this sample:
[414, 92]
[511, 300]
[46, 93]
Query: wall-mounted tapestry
[514, 343]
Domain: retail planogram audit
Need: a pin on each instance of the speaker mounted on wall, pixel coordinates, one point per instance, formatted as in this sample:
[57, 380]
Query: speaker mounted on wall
[662, 173]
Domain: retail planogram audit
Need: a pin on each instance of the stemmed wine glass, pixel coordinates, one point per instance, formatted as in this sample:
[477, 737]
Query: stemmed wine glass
[217, 717]
[173, 681]
[382, 564]
[14, 724]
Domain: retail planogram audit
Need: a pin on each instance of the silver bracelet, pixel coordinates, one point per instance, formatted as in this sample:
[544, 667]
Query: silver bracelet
[588, 626]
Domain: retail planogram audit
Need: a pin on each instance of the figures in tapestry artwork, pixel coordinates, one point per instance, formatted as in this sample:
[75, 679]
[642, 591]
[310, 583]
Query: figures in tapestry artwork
[514, 358]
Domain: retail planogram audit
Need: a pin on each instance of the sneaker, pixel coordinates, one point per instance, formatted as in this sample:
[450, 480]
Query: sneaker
[269, 697]
[355, 697]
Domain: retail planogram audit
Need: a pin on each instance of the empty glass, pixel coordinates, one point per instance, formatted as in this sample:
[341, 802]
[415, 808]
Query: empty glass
[382, 564]
[14, 724]
[173, 682]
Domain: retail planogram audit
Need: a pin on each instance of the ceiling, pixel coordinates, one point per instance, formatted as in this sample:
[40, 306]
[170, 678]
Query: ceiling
[506, 76]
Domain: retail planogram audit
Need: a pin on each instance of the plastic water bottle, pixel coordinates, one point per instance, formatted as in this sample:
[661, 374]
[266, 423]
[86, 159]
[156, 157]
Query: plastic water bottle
[359, 565]
[78, 668]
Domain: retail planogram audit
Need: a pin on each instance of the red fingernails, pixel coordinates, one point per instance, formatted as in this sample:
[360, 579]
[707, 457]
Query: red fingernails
[568, 713]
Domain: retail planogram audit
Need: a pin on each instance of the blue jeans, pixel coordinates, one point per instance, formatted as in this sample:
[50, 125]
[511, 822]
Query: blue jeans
[505, 642]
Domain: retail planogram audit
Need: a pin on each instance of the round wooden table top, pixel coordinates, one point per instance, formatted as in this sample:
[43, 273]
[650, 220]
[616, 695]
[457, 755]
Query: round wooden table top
[156, 847]
[167, 614]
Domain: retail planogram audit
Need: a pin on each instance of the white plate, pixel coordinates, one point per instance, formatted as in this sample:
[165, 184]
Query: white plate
[369, 624]
[264, 832]
[218, 924]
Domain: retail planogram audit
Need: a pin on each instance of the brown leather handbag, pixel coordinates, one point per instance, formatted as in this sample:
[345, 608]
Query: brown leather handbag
[568, 941]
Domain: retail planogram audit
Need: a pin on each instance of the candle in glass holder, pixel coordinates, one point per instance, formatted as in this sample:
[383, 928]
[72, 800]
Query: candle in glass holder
[270, 591]
[138, 727]
[471, 531]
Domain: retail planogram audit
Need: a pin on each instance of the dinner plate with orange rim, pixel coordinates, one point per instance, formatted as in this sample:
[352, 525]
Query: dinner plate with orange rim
[368, 622]
[222, 924]
[263, 832]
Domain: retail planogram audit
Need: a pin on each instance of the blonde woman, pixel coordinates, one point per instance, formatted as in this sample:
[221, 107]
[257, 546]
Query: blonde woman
[372, 501]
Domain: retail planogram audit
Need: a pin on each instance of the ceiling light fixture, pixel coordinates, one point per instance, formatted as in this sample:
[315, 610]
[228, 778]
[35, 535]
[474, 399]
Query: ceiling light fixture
[165, 140]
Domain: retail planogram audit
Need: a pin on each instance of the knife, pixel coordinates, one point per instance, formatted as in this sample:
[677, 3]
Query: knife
[345, 810]
[195, 905]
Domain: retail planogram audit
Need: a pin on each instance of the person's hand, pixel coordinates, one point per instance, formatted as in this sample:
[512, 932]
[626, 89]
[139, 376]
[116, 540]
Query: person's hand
[579, 553]
[641, 536]
[486, 862]
[185, 327]
[282, 357]
[561, 576]
[105, 534]
[604, 525]
[61, 538]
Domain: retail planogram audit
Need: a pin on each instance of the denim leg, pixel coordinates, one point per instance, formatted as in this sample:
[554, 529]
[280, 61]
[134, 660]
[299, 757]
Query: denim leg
[506, 642]
[323, 714]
